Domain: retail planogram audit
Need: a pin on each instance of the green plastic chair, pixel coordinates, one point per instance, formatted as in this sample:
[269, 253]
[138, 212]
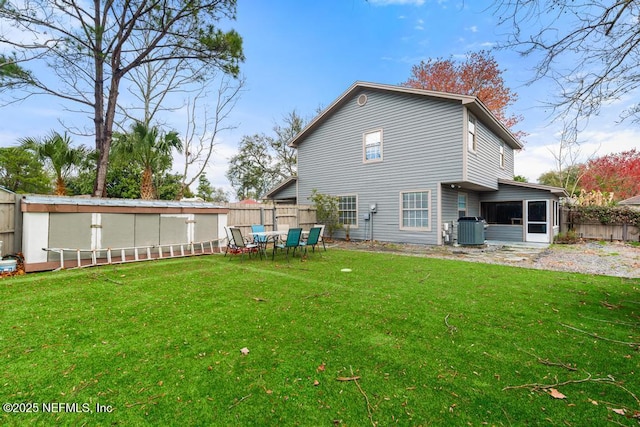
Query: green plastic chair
[293, 241]
[312, 239]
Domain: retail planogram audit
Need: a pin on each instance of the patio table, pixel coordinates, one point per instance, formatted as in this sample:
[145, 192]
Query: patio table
[270, 236]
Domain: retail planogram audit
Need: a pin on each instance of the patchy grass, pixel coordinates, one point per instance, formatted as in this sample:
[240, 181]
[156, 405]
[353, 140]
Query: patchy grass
[398, 340]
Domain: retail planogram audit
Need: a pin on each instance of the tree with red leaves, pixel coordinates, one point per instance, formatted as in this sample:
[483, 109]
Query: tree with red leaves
[614, 173]
[479, 75]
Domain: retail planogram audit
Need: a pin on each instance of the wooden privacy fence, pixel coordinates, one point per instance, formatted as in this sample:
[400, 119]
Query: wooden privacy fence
[8, 222]
[272, 217]
[598, 231]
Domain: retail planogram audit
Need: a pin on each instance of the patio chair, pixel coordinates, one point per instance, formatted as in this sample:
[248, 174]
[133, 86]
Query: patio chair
[261, 241]
[312, 239]
[241, 246]
[231, 247]
[292, 241]
[321, 238]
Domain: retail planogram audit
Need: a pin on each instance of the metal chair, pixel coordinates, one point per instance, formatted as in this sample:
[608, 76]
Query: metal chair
[240, 246]
[312, 239]
[293, 241]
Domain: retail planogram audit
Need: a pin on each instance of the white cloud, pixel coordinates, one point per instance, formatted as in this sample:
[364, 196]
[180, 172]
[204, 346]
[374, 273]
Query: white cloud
[473, 29]
[535, 160]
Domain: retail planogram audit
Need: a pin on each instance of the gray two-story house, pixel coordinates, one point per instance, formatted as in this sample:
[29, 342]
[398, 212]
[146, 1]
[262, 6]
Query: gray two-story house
[407, 163]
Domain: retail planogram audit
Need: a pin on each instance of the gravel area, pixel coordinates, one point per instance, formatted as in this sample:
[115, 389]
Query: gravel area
[603, 258]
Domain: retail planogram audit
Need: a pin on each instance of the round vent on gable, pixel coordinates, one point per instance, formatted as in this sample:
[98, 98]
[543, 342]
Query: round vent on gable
[362, 99]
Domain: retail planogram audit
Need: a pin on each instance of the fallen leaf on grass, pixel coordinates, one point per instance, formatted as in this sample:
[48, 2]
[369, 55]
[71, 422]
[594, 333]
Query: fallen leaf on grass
[619, 411]
[320, 368]
[347, 378]
[556, 394]
[244, 351]
[316, 383]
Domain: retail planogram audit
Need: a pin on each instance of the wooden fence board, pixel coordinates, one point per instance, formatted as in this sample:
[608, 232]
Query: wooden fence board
[271, 216]
[597, 231]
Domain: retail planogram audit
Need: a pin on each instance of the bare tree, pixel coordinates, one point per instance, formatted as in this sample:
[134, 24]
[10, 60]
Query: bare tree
[90, 47]
[201, 134]
[154, 85]
[590, 48]
[567, 156]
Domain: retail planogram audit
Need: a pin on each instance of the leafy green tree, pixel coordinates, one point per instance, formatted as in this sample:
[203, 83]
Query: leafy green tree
[568, 179]
[263, 161]
[88, 48]
[250, 171]
[81, 183]
[150, 149]
[209, 193]
[520, 178]
[123, 181]
[57, 152]
[10, 71]
[169, 186]
[22, 172]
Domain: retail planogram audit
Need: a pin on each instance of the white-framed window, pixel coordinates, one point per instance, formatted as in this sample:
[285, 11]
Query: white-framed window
[348, 209]
[462, 205]
[372, 146]
[415, 209]
[502, 159]
[471, 133]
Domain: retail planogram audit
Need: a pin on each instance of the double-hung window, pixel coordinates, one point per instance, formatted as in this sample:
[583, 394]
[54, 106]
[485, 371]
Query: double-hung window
[415, 210]
[348, 210]
[502, 159]
[372, 146]
[471, 133]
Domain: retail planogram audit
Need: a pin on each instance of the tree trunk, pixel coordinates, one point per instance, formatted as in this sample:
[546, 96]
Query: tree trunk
[61, 188]
[146, 186]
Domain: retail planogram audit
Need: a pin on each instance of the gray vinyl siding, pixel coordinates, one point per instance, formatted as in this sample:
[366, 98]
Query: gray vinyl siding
[512, 193]
[422, 146]
[450, 206]
[483, 165]
[505, 233]
[289, 192]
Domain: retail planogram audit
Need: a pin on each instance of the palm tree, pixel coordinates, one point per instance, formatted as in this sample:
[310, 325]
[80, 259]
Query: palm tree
[150, 149]
[56, 150]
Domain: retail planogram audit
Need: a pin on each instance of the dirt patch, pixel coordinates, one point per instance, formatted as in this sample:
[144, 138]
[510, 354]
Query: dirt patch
[604, 258]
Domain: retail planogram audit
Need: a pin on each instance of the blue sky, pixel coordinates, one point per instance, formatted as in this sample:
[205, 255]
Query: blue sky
[303, 54]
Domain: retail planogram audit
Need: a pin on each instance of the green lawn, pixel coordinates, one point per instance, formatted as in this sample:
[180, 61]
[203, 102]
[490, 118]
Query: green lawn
[398, 340]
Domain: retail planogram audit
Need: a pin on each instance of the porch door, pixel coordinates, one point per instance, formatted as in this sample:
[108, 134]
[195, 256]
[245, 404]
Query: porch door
[536, 225]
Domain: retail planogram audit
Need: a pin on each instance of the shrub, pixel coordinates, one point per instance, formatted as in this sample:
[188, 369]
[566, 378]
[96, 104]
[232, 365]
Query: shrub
[327, 211]
[567, 237]
[604, 215]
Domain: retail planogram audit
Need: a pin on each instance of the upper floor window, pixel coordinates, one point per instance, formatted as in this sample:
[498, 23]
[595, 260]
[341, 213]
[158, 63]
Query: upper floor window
[348, 209]
[373, 146]
[502, 160]
[415, 210]
[471, 133]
